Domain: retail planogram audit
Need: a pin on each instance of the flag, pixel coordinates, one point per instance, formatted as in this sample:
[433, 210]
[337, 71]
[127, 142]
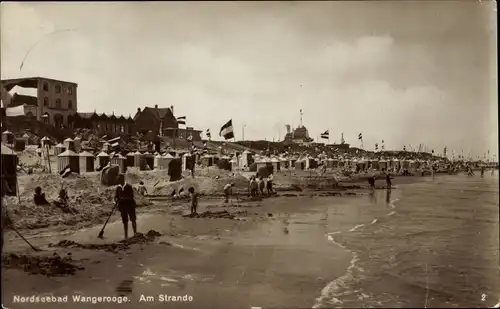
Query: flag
[383, 146]
[209, 135]
[342, 141]
[376, 146]
[360, 136]
[15, 111]
[404, 148]
[325, 135]
[181, 120]
[444, 151]
[227, 130]
[65, 172]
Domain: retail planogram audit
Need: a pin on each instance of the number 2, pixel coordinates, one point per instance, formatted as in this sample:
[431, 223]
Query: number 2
[483, 297]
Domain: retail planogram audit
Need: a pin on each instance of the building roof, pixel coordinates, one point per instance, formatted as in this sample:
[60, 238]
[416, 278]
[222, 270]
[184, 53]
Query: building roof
[102, 115]
[34, 78]
[85, 115]
[158, 112]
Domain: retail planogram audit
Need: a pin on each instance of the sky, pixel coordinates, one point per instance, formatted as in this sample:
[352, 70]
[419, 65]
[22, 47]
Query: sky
[406, 72]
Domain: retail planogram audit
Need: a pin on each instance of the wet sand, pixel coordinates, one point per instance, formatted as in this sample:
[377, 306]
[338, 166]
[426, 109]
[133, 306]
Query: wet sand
[277, 255]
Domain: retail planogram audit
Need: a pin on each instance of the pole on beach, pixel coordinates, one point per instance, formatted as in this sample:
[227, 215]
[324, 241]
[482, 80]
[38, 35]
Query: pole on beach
[11, 225]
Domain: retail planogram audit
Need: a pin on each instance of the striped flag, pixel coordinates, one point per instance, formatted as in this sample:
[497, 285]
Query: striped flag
[325, 135]
[404, 148]
[227, 130]
[376, 146]
[65, 172]
[181, 120]
[444, 151]
[208, 134]
[383, 145]
[360, 136]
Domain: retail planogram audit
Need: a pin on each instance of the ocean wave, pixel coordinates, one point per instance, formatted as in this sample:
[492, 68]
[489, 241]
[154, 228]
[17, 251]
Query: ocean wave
[332, 291]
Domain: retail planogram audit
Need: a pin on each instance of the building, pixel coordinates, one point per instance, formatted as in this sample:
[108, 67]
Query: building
[101, 123]
[163, 121]
[300, 135]
[51, 102]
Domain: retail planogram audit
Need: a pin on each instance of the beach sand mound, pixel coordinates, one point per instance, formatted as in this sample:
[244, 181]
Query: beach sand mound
[223, 214]
[54, 265]
[139, 238]
[91, 201]
[201, 184]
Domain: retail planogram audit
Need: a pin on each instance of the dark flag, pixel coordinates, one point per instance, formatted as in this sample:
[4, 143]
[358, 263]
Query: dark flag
[325, 135]
[360, 136]
[181, 120]
[209, 135]
[227, 130]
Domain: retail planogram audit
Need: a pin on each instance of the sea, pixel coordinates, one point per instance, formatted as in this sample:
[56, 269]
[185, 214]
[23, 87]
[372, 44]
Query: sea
[434, 243]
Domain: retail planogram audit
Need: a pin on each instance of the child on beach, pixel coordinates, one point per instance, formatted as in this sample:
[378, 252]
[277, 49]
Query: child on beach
[39, 197]
[228, 191]
[270, 184]
[142, 189]
[253, 186]
[194, 200]
[262, 185]
[388, 180]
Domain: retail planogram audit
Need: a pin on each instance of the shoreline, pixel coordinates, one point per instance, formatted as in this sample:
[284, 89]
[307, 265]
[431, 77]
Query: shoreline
[239, 238]
[185, 238]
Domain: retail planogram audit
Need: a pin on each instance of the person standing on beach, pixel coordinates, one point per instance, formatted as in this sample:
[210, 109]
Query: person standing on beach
[194, 200]
[142, 189]
[228, 191]
[261, 185]
[270, 184]
[388, 180]
[482, 171]
[126, 206]
[252, 186]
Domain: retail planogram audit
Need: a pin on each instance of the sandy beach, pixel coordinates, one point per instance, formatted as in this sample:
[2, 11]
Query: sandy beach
[274, 253]
[282, 251]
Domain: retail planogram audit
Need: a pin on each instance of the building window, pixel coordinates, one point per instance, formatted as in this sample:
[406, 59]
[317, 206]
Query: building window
[58, 103]
[70, 104]
[58, 88]
[45, 87]
[70, 90]
[46, 101]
